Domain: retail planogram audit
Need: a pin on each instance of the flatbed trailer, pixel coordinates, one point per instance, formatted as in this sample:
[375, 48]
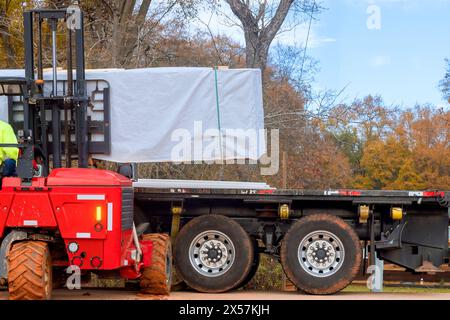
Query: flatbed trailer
[318, 235]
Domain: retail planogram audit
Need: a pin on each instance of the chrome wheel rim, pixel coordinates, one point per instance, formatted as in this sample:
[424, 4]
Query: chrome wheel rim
[321, 253]
[211, 253]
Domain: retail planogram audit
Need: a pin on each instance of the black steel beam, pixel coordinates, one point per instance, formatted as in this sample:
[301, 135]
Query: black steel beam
[81, 96]
[28, 40]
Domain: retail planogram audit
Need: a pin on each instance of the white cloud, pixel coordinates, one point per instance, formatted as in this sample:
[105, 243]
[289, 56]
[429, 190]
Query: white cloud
[380, 61]
[299, 35]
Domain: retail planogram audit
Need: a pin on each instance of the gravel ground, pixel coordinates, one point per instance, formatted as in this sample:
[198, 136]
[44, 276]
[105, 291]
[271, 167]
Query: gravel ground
[95, 294]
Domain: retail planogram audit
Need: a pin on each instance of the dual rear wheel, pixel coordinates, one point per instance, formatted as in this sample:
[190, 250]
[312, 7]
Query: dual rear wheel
[213, 254]
[320, 254]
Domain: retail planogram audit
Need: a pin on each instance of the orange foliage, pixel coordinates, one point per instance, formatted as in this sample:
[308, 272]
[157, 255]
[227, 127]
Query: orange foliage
[415, 155]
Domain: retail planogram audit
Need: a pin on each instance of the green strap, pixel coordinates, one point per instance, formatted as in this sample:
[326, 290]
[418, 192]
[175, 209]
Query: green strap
[219, 124]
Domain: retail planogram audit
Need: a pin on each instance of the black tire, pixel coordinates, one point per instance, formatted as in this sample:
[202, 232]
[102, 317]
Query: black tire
[346, 267]
[235, 266]
[178, 284]
[30, 271]
[255, 266]
[59, 278]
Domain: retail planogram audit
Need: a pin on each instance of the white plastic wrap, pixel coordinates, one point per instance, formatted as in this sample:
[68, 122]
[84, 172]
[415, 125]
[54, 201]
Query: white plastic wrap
[153, 111]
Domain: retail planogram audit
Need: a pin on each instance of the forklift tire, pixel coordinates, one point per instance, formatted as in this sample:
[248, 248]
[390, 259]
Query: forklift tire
[213, 254]
[321, 254]
[157, 278]
[30, 271]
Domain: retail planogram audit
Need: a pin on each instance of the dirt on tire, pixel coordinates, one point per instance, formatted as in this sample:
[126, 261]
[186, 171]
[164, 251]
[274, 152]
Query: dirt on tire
[255, 265]
[30, 271]
[243, 259]
[316, 285]
[157, 278]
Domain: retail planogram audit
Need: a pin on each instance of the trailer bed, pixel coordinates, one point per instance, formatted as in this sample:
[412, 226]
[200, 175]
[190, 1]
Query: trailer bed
[186, 189]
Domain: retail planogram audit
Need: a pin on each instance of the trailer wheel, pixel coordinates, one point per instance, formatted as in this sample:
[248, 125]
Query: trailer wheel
[30, 271]
[157, 278]
[178, 284]
[321, 254]
[213, 254]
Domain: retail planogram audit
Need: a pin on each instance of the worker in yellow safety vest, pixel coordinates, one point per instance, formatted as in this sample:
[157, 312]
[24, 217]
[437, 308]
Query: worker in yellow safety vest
[8, 156]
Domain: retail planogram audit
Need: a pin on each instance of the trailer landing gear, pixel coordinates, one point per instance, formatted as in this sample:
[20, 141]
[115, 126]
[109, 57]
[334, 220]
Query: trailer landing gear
[30, 271]
[321, 254]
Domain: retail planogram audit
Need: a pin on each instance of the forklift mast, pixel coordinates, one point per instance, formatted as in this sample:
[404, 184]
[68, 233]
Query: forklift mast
[71, 100]
[66, 115]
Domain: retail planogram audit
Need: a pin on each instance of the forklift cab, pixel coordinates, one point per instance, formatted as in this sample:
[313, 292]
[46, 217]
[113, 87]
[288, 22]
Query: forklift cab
[12, 86]
[29, 155]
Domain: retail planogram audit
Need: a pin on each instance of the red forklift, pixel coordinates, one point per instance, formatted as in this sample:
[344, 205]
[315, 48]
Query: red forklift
[67, 217]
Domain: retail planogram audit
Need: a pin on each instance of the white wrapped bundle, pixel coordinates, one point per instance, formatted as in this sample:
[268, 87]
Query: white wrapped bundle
[180, 114]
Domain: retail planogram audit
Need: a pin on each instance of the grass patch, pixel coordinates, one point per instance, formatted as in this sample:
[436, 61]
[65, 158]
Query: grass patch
[395, 289]
[269, 275]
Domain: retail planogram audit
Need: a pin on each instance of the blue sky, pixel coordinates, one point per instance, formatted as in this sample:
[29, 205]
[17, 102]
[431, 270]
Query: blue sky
[403, 61]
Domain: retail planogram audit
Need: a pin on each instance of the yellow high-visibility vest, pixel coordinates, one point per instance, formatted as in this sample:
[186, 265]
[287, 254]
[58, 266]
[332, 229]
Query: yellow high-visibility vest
[7, 136]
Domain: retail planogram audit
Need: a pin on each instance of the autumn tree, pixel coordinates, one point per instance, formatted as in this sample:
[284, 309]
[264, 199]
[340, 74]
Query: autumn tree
[388, 165]
[11, 38]
[414, 154]
[427, 130]
[131, 22]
